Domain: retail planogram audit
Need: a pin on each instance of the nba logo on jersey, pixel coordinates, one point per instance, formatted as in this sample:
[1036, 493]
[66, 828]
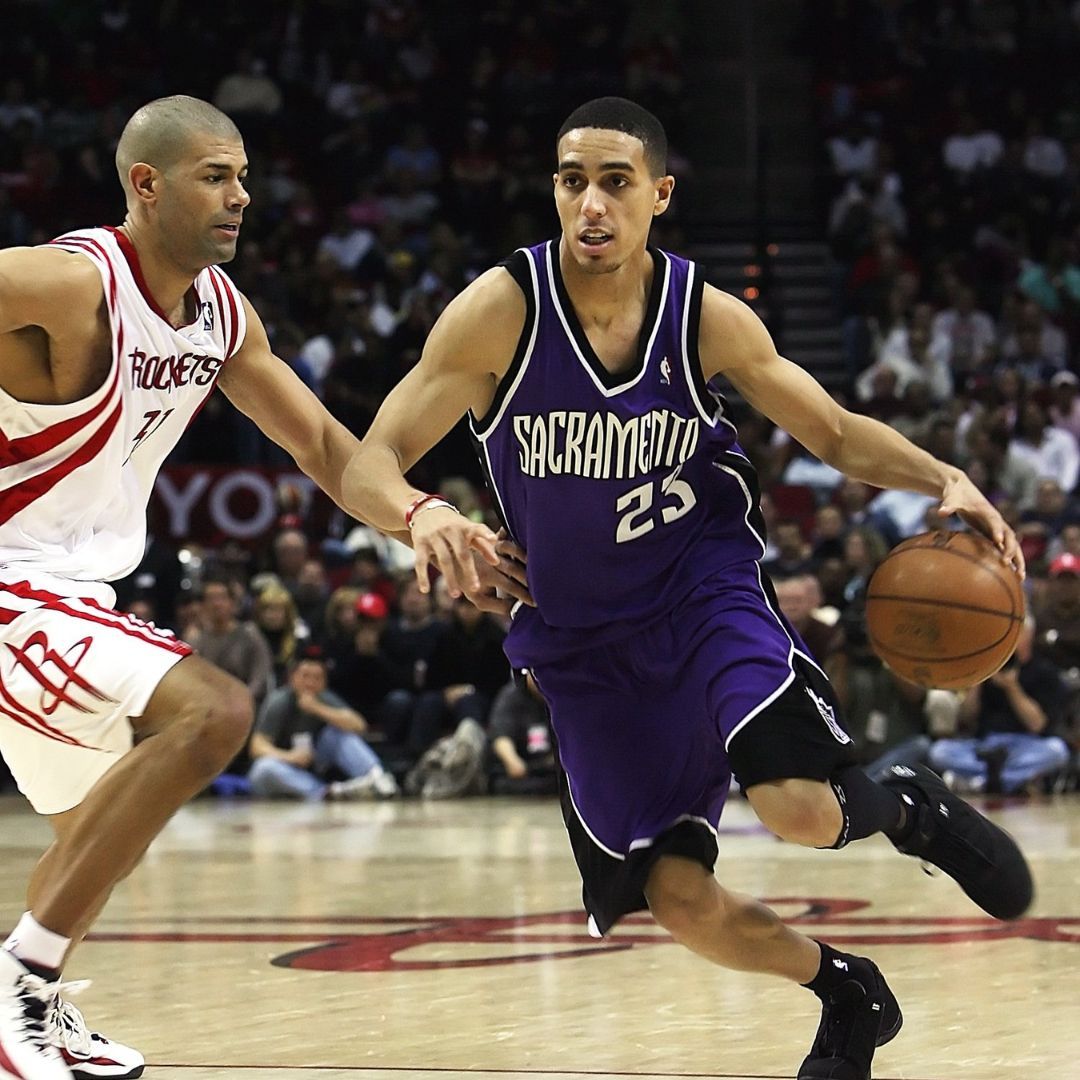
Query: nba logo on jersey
[665, 371]
[208, 316]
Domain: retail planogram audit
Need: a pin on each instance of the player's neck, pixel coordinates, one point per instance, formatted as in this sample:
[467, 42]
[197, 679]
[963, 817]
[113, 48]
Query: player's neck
[600, 298]
[167, 282]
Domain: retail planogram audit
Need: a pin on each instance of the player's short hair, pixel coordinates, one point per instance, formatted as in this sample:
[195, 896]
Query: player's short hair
[160, 133]
[621, 114]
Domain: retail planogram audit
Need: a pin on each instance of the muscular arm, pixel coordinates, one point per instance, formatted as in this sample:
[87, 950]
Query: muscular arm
[734, 342]
[54, 330]
[468, 350]
[267, 390]
[39, 285]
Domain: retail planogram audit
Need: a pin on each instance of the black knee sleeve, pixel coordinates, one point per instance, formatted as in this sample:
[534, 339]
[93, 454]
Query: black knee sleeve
[867, 807]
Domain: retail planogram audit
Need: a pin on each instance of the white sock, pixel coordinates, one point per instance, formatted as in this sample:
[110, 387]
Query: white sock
[31, 941]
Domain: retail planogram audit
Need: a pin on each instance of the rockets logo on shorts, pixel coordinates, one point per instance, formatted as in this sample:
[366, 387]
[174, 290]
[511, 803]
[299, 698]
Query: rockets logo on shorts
[60, 681]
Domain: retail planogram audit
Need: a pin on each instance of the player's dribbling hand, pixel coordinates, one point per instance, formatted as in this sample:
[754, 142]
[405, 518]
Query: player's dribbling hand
[962, 497]
[449, 540]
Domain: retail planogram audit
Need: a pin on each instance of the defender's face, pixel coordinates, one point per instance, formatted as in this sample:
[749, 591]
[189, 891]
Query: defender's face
[606, 197]
[202, 202]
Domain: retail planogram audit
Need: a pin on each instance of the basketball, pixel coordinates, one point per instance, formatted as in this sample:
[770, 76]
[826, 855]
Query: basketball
[944, 609]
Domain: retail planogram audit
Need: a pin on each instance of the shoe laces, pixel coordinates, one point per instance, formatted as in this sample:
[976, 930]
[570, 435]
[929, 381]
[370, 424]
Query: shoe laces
[33, 1003]
[65, 1023]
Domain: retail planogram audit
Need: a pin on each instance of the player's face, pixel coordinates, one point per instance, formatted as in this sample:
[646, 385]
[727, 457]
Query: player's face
[203, 202]
[606, 197]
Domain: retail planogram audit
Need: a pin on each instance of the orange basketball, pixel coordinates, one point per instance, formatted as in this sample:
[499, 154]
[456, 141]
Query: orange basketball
[944, 609]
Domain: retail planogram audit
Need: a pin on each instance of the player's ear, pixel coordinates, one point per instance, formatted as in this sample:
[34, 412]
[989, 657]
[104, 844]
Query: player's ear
[144, 181]
[664, 187]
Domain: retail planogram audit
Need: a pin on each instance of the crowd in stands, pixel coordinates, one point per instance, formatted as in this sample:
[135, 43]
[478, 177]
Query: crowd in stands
[394, 156]
[951, 166]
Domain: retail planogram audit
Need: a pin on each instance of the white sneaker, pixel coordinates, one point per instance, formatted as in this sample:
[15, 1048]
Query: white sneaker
[386, 787]
[25, 998]
[376, 784]
[360, 787]
[87, 1054]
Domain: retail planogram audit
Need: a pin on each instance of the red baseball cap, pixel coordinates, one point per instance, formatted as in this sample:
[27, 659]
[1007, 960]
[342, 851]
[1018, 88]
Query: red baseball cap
[1065, 564]
[371, 605]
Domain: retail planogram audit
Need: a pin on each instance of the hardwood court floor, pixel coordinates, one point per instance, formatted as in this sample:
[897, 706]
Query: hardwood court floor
[444, 941]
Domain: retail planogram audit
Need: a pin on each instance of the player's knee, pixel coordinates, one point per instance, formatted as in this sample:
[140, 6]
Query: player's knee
[799, 811]
[233, 719]
[219, 724]
[681, 895]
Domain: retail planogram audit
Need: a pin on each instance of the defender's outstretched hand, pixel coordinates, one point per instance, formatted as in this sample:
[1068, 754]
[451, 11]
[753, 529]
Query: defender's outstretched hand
[502, 586]
[964, 498]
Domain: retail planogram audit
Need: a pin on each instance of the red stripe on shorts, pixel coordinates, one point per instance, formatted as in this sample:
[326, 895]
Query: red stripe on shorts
[126, 625]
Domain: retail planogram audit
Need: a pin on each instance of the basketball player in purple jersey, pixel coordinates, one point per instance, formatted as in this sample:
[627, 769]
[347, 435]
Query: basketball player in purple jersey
[586, 365]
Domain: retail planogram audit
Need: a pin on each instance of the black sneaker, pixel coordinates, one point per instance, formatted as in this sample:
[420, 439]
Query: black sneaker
[983, 859]
[857, 1017]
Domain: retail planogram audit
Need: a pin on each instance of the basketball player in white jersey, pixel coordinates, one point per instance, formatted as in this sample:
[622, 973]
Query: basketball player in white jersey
[110, 342]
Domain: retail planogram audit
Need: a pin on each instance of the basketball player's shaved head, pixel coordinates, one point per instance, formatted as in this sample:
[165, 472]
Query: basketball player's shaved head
[160, 133]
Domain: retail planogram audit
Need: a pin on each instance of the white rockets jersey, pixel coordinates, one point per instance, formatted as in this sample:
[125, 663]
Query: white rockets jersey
[75, 479]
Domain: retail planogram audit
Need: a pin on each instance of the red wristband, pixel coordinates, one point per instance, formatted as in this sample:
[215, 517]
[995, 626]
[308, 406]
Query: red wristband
[422, 502]
[414, 506]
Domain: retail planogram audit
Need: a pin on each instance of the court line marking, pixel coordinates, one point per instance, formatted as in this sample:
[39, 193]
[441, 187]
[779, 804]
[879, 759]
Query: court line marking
[487, 1072]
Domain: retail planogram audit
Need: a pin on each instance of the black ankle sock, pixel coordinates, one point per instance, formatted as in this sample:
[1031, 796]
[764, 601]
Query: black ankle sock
[836, 968]
[869, 807]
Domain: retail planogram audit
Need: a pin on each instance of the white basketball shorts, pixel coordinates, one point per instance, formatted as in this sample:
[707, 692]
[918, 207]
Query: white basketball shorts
[72, 671]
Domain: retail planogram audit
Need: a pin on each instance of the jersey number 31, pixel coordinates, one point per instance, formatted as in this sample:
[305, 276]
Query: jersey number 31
[635, 507]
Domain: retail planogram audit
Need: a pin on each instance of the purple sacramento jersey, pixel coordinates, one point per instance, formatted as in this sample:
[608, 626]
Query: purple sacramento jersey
[623, 489]
[655, 640]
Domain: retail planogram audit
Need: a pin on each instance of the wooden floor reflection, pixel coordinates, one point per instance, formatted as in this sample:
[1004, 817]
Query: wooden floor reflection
[445, 941]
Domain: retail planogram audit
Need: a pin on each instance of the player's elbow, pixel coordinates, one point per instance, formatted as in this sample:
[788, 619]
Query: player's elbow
[832, 438]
